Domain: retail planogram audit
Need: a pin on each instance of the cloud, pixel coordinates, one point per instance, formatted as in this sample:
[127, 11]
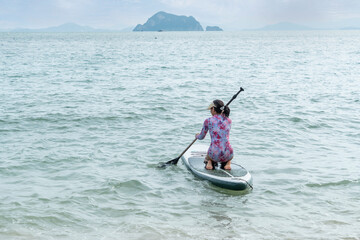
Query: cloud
[179, 3]
[261, 12]
[72, 5]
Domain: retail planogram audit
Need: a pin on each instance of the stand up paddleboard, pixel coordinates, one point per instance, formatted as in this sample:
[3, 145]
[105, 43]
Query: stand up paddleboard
[238, 178]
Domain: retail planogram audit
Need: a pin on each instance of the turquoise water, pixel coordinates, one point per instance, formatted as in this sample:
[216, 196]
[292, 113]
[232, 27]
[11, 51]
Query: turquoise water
[85, 119]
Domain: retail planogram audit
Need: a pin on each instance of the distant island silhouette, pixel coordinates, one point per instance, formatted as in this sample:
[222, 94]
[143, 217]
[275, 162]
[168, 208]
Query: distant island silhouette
[63, 28]
[163, 21]
[213, 28]
[171, 22]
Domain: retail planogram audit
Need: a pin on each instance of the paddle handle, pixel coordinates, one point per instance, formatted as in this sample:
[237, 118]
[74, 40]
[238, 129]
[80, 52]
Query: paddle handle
[187, 147]
[241, 89]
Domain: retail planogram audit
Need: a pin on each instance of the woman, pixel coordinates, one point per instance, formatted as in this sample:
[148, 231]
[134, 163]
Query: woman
[219, 126]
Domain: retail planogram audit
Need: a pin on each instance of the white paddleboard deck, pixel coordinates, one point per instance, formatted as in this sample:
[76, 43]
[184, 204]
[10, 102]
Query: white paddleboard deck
[238, 178]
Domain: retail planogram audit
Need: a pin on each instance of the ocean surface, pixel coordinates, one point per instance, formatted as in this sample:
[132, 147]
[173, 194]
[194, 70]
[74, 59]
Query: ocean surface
[85, 118]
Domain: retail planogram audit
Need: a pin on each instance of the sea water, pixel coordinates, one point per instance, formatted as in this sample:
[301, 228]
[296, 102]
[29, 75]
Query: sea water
[85, 118]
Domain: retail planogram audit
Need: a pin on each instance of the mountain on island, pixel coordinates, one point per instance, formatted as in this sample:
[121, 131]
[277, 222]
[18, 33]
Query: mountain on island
[163, 21]
[67, 27]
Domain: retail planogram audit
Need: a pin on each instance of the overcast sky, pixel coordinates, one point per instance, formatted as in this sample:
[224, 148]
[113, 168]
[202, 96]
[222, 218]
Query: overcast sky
[228, 14]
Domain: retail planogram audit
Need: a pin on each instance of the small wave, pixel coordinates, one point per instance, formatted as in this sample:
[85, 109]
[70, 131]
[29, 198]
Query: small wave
[165, 88]
[11, 130]
[58, 118]
[133, 117]
[138, 230]
[131, 185]
[153, 108]
[15, 76]
[317, 126]
[118, 89]
[295, 119]
[300, 52]
[335, 222]
[186, 84]
[330, 184]
[289, 170]
[42, 119]
[98, 191]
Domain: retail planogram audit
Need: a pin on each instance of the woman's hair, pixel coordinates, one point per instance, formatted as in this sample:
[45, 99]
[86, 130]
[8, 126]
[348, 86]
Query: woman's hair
[220, 108]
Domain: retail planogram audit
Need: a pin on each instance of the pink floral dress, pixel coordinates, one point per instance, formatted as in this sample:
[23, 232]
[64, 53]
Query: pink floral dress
[219, 126]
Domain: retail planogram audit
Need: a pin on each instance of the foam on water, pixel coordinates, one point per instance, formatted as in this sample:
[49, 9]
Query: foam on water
[85, 119]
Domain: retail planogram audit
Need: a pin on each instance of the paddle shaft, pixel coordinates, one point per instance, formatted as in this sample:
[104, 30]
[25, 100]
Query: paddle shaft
[241, 89]
[187, 148]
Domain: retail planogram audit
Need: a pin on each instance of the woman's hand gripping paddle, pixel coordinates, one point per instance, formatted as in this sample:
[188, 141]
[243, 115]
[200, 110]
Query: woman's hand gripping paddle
[175, 160]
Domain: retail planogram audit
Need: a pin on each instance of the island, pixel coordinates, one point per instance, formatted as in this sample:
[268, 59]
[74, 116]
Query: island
[163, 21]
[213, 28]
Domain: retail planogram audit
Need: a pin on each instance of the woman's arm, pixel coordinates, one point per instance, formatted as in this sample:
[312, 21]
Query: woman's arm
[204, 130]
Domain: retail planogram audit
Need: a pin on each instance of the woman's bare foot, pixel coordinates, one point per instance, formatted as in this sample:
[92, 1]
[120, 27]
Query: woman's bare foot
[228, 165]
[209, 165]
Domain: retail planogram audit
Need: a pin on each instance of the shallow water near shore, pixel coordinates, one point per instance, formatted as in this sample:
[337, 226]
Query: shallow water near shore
[85, 118]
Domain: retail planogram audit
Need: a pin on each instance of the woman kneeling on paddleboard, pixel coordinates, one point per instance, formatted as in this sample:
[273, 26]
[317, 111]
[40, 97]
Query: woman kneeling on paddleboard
[219, 126]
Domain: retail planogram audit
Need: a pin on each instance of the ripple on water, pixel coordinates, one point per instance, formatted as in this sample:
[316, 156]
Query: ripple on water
[130, 186]
[355, 182]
